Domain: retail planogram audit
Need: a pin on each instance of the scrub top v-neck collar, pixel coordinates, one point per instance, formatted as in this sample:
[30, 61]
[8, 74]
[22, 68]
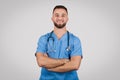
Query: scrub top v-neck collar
[62, 37]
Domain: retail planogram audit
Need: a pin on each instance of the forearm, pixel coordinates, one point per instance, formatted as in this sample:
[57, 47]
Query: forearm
[71, 65]
[47, 62]
[65, 68]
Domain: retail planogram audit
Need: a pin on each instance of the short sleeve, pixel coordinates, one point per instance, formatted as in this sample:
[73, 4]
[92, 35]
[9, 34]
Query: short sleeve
[41, 45]
[77, 49]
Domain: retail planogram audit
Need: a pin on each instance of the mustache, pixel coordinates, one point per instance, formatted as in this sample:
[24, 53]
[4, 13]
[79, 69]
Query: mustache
[59, 25]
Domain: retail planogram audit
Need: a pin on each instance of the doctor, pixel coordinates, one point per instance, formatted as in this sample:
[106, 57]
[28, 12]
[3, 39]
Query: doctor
[59, 52]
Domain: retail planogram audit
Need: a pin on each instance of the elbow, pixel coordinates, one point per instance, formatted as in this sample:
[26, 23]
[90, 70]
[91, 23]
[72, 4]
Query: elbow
[76, 67]
[40, 65]
[40, 62]
[40, 59]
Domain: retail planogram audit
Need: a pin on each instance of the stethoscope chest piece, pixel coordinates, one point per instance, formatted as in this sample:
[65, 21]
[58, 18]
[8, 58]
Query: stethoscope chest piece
[68, 48]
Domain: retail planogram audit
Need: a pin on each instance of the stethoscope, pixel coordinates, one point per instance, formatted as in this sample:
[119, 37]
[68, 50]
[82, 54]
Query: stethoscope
[50, 45]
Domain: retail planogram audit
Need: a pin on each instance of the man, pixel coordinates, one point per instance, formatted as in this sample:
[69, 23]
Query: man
[59, 52]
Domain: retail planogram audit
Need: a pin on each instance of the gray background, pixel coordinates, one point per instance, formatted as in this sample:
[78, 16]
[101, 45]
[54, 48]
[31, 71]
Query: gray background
[95, 22]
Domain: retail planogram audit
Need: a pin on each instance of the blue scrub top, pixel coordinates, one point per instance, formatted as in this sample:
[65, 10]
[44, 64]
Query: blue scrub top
[56, 48]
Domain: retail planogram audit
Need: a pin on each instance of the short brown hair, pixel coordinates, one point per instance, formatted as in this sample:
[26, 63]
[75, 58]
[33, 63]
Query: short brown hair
[60, 7]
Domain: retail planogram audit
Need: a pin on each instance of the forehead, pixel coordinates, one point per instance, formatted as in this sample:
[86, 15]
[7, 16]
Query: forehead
[60, 11]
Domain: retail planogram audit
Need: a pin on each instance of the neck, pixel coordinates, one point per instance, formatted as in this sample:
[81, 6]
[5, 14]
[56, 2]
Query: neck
[59, 32]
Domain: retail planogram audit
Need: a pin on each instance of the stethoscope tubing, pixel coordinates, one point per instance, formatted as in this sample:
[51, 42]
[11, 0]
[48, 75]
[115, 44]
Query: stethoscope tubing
[68, 37]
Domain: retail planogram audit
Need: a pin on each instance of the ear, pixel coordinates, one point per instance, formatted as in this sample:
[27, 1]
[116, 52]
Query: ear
[67, 19]
[52, 18]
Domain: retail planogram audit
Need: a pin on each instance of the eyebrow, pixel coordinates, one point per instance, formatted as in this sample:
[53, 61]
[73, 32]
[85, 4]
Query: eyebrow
[62, 14]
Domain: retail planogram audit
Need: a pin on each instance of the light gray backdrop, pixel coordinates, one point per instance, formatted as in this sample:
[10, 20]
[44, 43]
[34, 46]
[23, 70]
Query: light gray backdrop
[95, 22]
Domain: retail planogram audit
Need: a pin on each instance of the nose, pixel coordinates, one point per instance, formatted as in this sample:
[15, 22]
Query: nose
[59, 18]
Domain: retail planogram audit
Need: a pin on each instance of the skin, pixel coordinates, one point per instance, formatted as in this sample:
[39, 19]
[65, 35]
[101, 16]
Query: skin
[60, 17]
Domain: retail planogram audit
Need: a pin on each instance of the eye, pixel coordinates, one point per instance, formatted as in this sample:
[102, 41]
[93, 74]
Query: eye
[63, 15]
[56, 15]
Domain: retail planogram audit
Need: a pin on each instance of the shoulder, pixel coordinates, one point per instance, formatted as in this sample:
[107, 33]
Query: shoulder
[44, 37]
[75, 38]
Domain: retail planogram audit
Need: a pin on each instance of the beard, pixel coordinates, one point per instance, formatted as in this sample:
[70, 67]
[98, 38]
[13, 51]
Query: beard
[59, 25]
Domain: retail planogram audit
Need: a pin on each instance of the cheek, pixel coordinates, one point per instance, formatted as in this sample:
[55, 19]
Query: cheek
[65, 20]
[53, 19]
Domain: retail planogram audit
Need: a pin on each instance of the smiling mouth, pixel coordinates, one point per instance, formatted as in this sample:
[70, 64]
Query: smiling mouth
[59, 25]
[60, 22]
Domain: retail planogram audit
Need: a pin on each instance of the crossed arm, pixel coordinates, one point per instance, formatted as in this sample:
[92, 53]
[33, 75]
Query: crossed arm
[58, 65]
